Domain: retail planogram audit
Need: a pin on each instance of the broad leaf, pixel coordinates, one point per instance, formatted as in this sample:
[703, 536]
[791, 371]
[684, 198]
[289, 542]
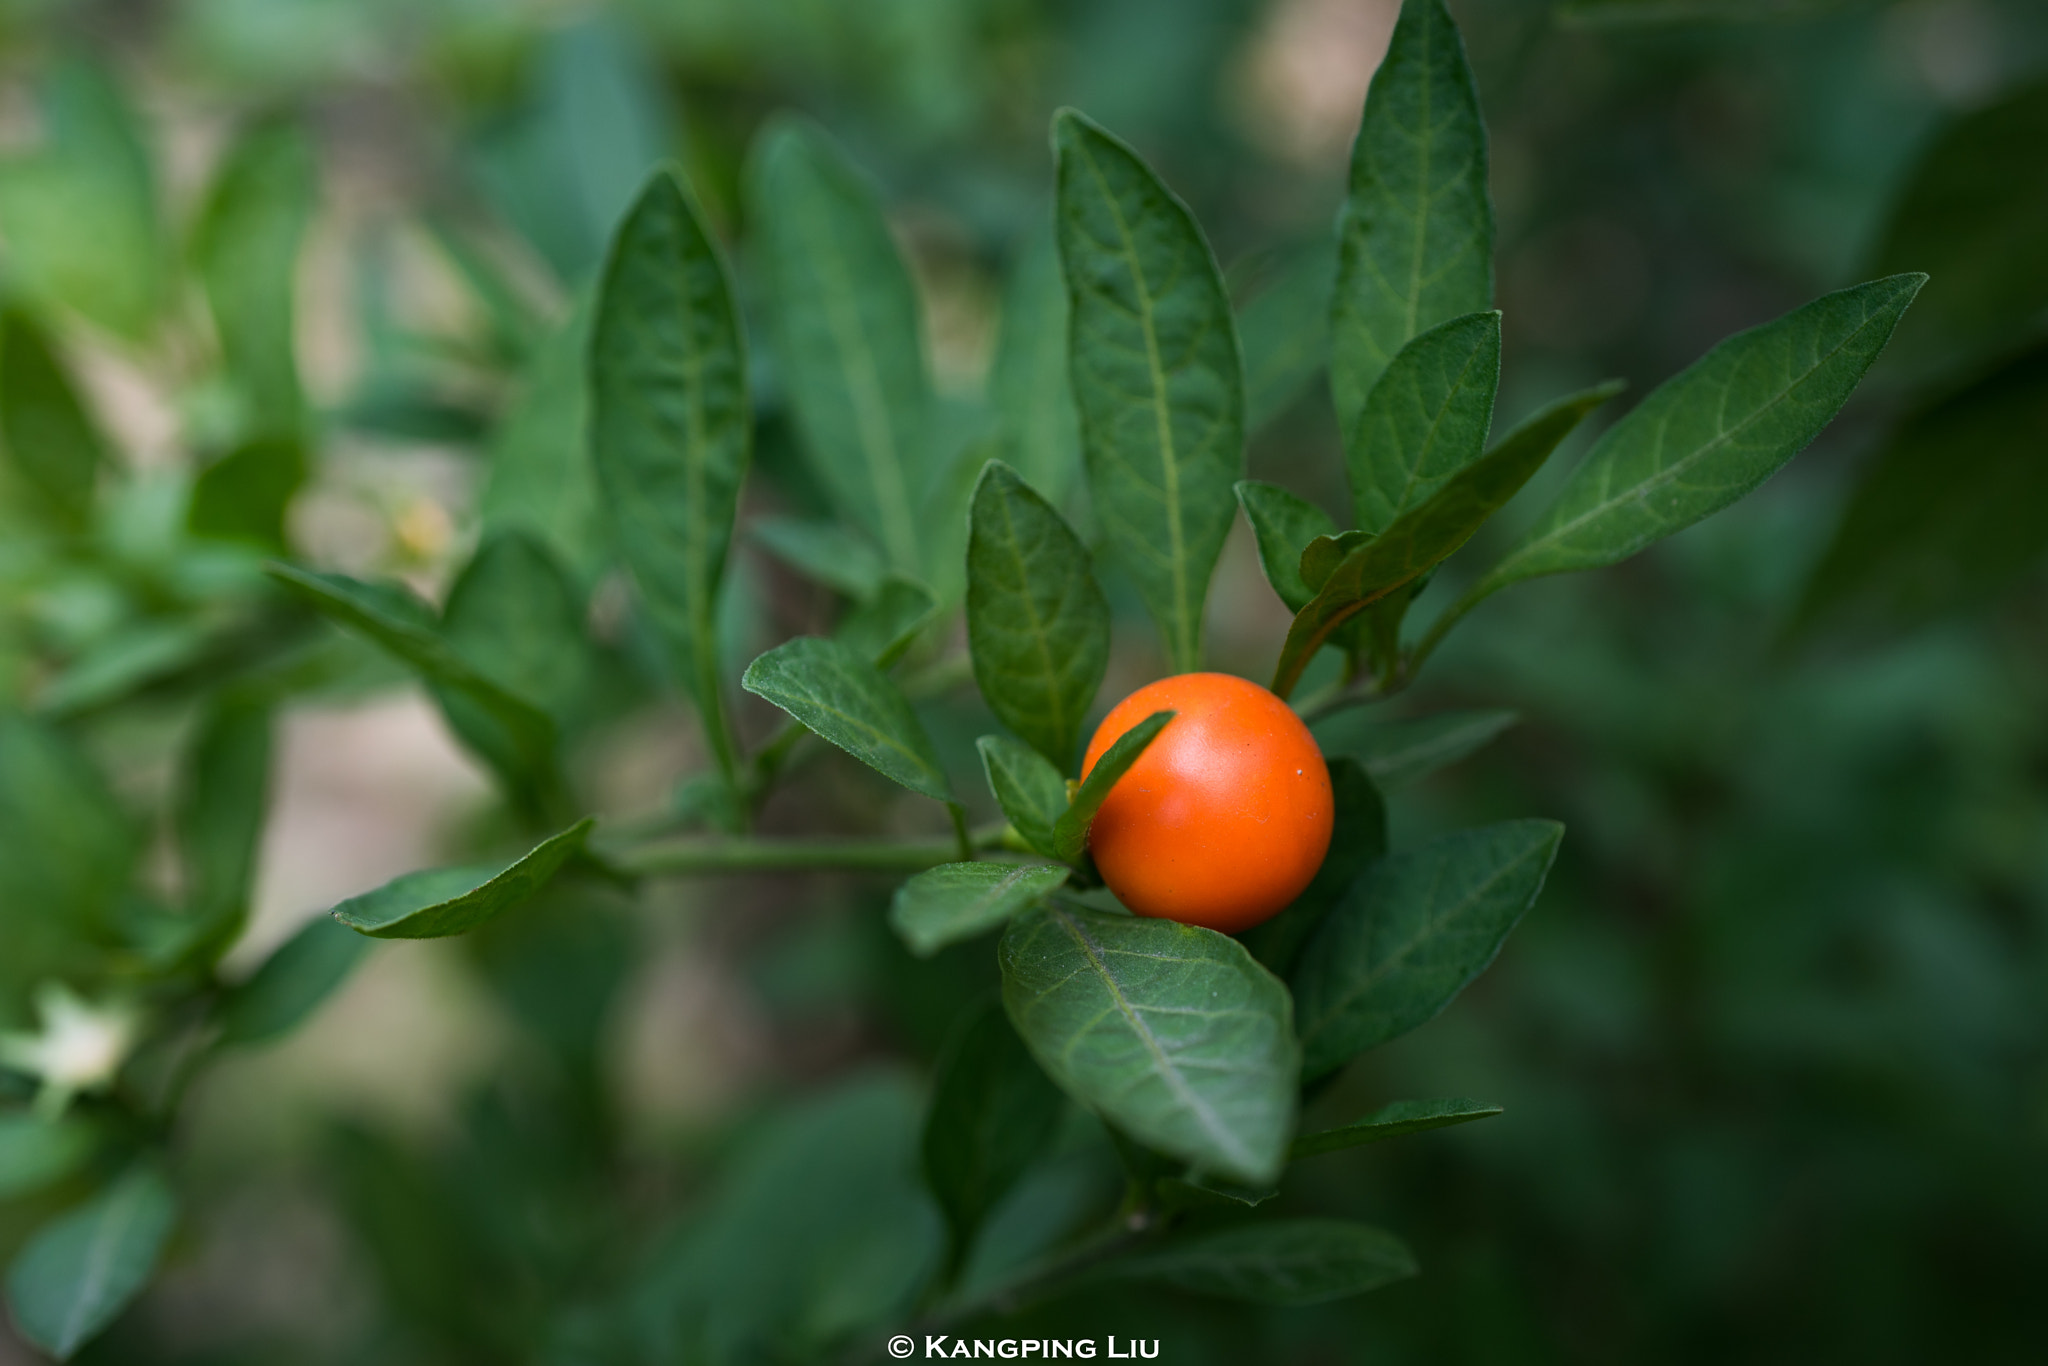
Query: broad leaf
[960, 901]
[843, 698]
[1358, 835]
[1028, 381]
[1037, 623]
[671, 427]
[439, 902]
[1027, 787]
[1283, 525]
[884, 626]
[220, 816]
[1411, 933]
[291, 984]
[1281, 1262]
[48, 439]
[1425, 420]
[1070, 831]
[81, 1270]
[848, 336]
[1157, 376]
[992, 1115]
[1286, 334]
[823, 551]
[37, 1152]
[1415, 240]
[517, 618]
[1398, 753]
[1392, 1121]
[1172, 1033]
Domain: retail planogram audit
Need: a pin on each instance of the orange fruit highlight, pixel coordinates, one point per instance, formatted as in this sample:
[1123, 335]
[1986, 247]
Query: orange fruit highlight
[1226, 815]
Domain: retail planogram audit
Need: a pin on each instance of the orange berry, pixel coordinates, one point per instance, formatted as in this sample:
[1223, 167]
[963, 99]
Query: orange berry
[1226, 815]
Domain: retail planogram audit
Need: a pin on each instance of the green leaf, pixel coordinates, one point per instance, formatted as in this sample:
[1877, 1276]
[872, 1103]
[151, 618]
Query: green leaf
[540, 477]
[825, 552]
[1321, 557]
[1283, 525]
[1281, 1262]
[1070, 831]
[225, 795]
[50, 442]
[36, 1153]
[959, 901]
[1028, 380]
[1425, 420]
[1392, 1121]
[439, 902]
[515, 616]
[1170, 1032]
[1157, 376]
[1949, 513]
[992, 1115]
[1027, 787]
[298, 976]
[1415, 238]
[1411, 933]
[1399, 753]
[884, 626]
[1358, 835]
[1286, 334]
[1708, 435]
[671, 426]
[246, 247]
[244, 495]
[843, 698]
[82, 1269]
[1037, 623]
[848, 336]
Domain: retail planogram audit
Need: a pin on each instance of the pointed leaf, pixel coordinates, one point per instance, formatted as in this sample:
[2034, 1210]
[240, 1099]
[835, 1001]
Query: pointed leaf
[844, 699]
[1037, 623]
[993, 1114]
[49, 441]
[1283, 526]
[1415, 239]
[1170, 1032]
[516, 617]
[1157, 376]
[1028, 380]
[439, 902]
[540, 475]
[291, 984]
[1425, 419]
[1411, 933]
[1282, 1262]
[1286, 334]
[1398, 753]
[960, 901]
[220, 817]
[1027, 787]
[825, 552]
[1392, 1121]
[82, 1269]
[244, 495]
[1358, 835]
[884, 626]
[1070, 832]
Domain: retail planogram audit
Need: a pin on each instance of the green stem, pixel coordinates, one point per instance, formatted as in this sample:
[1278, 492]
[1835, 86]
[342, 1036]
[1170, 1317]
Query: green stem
[717, 727]
[963, 839]
[697, 856]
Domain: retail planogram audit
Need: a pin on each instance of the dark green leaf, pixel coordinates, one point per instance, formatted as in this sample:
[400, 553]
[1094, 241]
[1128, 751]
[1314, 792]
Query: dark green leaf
[50, 442]
[440, 902]
[1027, 787]
[514, 615]
[1425, 420]
[1392, 1121]
[1070, 831]
[243, 496]
[1028, 380]
[847, 333]
[1397, 753]
[81, 1270]
[1358, 835]
[1284, 1262]
[1321, 557]
[1170, 1032]
[1157, 376]
[671, 426]
[1037, 623]
[992, 1115]
[823, 551]
[843, 698]
[1286, 334]
[959, 901]
[37, 1152]
[1283, 525]
[883, 627]
[299, 974]
[1415, 240]
[220, 816]
[1411, 933]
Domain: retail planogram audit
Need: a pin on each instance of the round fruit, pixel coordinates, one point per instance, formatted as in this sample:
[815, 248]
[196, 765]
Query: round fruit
[1226, 815]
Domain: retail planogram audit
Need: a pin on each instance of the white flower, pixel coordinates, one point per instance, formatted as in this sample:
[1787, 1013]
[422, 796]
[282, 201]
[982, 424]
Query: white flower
[81, 1045]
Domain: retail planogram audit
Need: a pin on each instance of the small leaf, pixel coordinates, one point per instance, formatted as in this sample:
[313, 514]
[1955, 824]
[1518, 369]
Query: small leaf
[848, 334]
[1170, 1032]
[1028, 381]
[539, 473]
[1358, 835]
[299, 974]
[825, 552]
[884, 626]
[1037, 623]
[1027, 787]
[220, 816]
[1320, 557]
[1392, 1121]
[1070, 832]
[81, 1270]
[1156, 372]
[960, 901]
[36, 1153]
[517, 618]
[1283, 525]
[1399, 753]
[844, 699]
[1411, 933]
[1286, 334]
[1425, 420]
[992, 1115]
[244, 495]
[1415, 238]
[439, 902]
[1281, 1262]
[50, 442]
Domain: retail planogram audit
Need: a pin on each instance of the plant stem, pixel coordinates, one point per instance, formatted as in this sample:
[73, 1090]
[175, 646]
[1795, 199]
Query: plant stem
[697, 856]
[963, 839]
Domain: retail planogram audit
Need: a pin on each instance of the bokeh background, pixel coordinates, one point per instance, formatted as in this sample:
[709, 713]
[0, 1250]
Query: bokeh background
[1772, 1046]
